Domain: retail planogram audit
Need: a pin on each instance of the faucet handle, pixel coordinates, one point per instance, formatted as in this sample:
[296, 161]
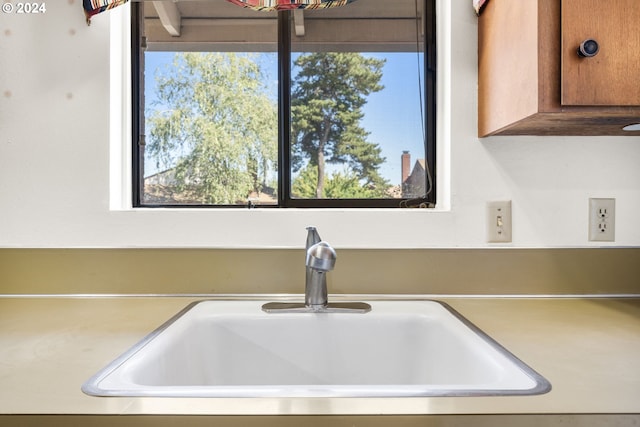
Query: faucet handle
[321, 256]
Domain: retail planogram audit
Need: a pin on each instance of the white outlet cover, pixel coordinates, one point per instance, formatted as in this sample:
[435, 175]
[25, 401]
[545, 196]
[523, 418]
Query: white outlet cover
[602, 224]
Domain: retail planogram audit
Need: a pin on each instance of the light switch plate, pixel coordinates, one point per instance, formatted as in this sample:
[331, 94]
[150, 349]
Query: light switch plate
[499, 222]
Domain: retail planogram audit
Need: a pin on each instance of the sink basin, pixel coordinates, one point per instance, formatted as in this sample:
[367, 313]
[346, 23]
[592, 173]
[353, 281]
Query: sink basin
[234, 349]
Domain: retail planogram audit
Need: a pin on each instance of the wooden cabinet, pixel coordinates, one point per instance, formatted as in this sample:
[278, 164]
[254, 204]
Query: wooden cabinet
[532, 81]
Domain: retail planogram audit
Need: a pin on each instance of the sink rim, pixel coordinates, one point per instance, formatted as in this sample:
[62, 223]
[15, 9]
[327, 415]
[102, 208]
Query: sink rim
[92, 385]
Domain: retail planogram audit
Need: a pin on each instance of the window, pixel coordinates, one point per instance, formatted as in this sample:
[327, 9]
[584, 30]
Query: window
[316, 108]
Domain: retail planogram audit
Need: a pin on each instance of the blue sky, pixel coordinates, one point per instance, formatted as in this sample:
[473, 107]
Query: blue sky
[392, 116]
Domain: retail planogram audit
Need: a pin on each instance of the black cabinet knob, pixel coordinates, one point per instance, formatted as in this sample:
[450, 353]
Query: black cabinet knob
[588, 48]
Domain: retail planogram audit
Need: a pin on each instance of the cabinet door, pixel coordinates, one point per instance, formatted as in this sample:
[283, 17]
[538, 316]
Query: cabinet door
[612, 76]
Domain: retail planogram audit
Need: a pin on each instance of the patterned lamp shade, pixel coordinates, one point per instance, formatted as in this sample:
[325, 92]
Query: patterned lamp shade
[93, 7]
[271, 5]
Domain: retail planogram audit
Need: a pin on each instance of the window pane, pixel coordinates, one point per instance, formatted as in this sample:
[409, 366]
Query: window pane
[210, 107]
[345, 116]
[357, 103]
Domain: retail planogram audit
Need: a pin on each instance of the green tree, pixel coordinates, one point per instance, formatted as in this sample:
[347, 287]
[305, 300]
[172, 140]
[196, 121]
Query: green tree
[338, 185]
[215, 125]
[304, 185]
[328, 94]
[347, 186]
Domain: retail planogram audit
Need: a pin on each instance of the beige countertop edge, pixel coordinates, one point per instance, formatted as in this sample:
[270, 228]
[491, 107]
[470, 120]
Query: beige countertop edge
[588, 348]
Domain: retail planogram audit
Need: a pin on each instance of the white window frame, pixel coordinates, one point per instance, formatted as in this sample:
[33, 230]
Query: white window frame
[275, 228]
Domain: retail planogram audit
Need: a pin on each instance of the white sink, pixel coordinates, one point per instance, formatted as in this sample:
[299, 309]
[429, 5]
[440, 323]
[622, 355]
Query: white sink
[234, 349]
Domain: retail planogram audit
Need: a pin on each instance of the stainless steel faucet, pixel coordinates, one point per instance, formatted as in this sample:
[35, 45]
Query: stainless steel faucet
[320, 259]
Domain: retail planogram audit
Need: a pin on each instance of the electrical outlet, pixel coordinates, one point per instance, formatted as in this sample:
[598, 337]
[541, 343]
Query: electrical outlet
[499, 222]
[602, 220]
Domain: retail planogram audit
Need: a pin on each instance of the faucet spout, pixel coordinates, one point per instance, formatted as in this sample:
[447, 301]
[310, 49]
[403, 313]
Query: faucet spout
[320, 258]
[312, 237]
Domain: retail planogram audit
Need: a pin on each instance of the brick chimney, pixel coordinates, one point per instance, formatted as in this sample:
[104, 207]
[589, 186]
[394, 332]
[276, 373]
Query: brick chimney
[406, 165]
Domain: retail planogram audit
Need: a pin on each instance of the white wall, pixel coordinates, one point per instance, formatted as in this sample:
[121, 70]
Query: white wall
[55, 165]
